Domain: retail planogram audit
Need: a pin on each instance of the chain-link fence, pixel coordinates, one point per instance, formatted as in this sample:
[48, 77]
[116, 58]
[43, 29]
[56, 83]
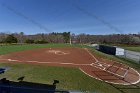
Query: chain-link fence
[132, 55]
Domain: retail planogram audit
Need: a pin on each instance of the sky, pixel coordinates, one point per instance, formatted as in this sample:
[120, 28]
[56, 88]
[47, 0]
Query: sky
[97, 17]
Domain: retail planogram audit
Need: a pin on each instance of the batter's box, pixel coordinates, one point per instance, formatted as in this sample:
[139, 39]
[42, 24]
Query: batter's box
[118, 71]
[98, 65]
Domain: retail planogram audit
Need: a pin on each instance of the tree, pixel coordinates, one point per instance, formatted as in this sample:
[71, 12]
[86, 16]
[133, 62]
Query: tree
[29, 41]
[136, 40]
[2, 37]
[66, 36]
[42, 41]
[11, 39]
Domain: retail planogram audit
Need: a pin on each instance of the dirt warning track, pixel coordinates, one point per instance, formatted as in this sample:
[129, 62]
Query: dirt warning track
[91, 65]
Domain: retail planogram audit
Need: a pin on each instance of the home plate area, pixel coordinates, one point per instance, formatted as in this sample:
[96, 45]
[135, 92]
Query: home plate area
[82, 58]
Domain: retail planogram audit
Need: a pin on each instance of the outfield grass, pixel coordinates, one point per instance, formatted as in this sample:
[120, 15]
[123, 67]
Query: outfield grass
[70, 78]
[130, 47]
[4, 49]
[135, 48]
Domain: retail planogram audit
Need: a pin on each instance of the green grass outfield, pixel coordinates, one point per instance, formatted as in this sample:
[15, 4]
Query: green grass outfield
[130, 47]
[70, 78]
[4, 49]
[133, 48]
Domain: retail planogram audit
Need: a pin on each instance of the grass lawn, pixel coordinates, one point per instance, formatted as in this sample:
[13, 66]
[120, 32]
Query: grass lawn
[135, 48]
[130, 47]
[4, 49]
[70, 78]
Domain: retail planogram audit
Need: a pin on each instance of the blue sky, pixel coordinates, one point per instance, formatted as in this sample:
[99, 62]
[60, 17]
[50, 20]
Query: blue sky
[63, 15]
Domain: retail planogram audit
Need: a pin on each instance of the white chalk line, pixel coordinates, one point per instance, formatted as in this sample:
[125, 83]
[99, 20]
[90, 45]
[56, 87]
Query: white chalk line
[60, 63]
[113, 82]
[91, 55]
[104, 65]
[45, 62]
[103, 80]
[97, 66]
[107, 70]
[100, 64]
[11, 60]
[72, 64]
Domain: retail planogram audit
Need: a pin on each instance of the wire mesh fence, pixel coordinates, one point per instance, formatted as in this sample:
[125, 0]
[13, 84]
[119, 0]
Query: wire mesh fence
[135, 56]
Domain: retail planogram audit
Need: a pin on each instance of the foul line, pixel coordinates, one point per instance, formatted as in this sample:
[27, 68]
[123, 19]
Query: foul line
[96, 64]
[103, 80]
[99, 64]
[11, 60]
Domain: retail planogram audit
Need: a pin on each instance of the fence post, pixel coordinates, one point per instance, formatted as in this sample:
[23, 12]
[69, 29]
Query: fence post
[124, 53]
[139, 59]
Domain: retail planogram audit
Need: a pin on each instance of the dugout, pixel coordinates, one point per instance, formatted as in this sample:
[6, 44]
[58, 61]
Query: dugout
[111, 50]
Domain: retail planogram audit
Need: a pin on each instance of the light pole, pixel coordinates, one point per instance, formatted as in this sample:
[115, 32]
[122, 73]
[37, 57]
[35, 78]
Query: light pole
[70, 38]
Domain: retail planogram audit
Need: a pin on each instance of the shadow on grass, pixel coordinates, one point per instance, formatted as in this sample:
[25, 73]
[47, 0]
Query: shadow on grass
[7, 86]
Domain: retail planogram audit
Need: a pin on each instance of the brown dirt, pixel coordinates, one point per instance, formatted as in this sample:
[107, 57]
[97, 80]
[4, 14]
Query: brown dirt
[75, 57]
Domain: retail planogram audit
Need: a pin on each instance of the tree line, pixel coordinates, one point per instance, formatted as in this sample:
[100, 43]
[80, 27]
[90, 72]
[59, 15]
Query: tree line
[40, 38]
[129, 39]
[55, 37]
